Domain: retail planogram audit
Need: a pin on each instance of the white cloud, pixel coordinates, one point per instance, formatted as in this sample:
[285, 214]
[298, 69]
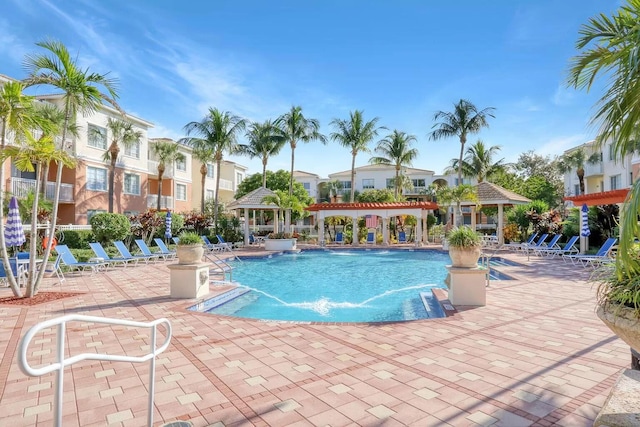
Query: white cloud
[559, 145]
[160, 131]
[563, 96]
[11, 45]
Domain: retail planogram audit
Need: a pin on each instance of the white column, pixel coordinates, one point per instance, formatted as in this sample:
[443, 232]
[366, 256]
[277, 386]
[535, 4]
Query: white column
[500, 231]
[276, 220]
[246, 226]
[320, 231]
[418, 230]
[355, 241]
[423, 219]
[385, 231]
[473, 218]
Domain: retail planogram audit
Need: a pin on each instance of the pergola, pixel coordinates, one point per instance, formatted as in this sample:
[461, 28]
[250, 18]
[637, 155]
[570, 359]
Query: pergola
[253, 201]
[492, 195]
[382, 210]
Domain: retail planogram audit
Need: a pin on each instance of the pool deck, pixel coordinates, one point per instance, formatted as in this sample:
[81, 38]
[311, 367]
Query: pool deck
[535, 355]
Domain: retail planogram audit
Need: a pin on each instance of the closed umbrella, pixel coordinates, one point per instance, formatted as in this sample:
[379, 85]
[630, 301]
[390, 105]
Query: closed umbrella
[584, 230]
[167, 226]
[13, 231]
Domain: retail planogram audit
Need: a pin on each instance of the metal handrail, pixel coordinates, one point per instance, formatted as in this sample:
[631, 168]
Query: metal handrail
[62, 362]
[224, 266]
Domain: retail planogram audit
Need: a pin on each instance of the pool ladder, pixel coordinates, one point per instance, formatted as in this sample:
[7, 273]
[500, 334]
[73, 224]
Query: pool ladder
[485, 261]
[220, 266]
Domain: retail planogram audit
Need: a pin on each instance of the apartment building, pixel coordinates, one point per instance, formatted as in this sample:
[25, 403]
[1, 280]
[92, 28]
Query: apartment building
[605, 175]
[311, 182]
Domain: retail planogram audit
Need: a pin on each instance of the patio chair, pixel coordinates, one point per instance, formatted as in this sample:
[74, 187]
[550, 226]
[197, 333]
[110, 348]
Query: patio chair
[124, 252]
[211, 247]
[339, 238]
[18, 271]
[402, 237]
[371, 238]
[163, 248]
[224, 243]
[538, 244]
[175, 240]
[553, 244]
[142, 245]
[568, 249]
[602, 256]
[516, 246]
[70, 261]
[51, 268]
[100, 252]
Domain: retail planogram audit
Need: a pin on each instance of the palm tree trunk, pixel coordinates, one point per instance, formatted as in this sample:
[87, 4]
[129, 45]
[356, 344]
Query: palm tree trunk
[353, 178]
[580, 173]
[293, 149]
[159, 189]
[264, 173]
[13, 284]
[397, 183]
[215, 199]
[43, 184]
[112, 180]
[203, 180]
[458, 221]
[33, 278]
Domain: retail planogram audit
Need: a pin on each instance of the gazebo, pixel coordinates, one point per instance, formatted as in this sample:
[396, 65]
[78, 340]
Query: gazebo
[253, 201]
[383, 210]
[492, 195]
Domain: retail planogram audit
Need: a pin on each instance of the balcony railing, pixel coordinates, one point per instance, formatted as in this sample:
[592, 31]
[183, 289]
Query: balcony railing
[592, 170]
[166, 202]
[152, 167]
[21, 187]
[225, 184]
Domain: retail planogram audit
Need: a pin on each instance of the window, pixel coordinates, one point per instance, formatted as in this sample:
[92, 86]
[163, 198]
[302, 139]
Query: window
[418, 183]
[181, 192]
[612, 154]
[616, 182]
[133, 150]
[391, 183]
[307, 186]
[97, 137]
[346, 185]
[131, 184]
[576, 189]
[210, 171]
[181, 164]
[92, 212]
[131, 213]
[238, 178]
[368, 184]
[210, 194]
[96, 179]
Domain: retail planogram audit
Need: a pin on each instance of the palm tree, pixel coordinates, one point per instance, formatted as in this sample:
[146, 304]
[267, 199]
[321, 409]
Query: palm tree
[296, 127]
[355, 134]
[217, 131]
[449, 195]
[205, 156]
[82, 93]
[478, 162]
[396, 150]
[167, 152]
[577, 159]
[122, 132]
[284, 202]
[265, 140]
[465, 119]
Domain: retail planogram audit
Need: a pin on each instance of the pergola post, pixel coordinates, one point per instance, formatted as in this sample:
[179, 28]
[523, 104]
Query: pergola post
[423, 220]
[500, 231]
[474, 221]
[246, 226]
[276, 220]
[419, 228]
[320, 230]
[355, 241]
[385, 231]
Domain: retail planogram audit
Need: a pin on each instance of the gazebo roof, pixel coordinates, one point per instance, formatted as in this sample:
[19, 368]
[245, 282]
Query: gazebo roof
[359, 206]
[253, 200]
[492, 194]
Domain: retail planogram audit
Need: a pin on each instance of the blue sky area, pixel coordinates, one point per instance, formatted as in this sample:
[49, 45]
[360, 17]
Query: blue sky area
[399, 61]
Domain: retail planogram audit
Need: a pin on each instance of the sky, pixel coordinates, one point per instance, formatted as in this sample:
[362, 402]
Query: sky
[400, 61]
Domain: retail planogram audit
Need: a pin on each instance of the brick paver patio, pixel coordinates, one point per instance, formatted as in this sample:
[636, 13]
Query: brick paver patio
[535, 355]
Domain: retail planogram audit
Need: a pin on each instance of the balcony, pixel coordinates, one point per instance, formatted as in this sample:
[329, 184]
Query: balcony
[593, 170]
[225, 184]
[21, 187]
[166, 202]
[152, 167]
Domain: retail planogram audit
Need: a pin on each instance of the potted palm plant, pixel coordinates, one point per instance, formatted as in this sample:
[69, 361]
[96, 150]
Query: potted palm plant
[464, 247]
[189, 249]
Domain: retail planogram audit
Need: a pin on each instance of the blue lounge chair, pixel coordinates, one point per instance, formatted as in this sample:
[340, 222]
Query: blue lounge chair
[142, 245]
[224, 243]
[124, 252]
[54, 267]
[70, 261]
[102, 253]
[255, 240]
[211, 247]
[175, 240]
[603, 255]
[164, 249]
[553, 244]
[402, 237]
[18, 271]
[371, 238]
[339, 238]
[568, 249]
[538, 244]
[517, 246]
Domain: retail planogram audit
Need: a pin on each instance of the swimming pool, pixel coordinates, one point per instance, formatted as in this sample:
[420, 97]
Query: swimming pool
[337, 286]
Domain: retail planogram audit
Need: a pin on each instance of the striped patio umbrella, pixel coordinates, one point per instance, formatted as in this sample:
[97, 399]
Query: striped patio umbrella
[584, 231]
[13, 232]
[167, 226]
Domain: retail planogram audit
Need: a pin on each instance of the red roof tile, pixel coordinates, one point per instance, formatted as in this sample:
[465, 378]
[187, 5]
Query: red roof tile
[354, 206]
[602, 198]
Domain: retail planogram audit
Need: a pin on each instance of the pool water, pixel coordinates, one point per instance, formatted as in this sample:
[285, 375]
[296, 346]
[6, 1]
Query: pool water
[339, 286]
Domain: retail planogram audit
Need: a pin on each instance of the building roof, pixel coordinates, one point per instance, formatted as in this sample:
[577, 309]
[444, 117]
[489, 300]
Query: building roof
[357, 206]
[602, 198]
[492, 194]
[253, 200]
[303, 173]
[381, 167]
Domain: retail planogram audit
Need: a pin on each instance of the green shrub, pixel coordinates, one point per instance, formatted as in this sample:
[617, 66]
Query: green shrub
[77, 239]
[83, 255]
[463, 237]
[188, 238]
[108, 227]
[177, 224]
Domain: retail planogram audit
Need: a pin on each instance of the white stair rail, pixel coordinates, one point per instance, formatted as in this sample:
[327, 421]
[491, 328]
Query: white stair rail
[62, 362]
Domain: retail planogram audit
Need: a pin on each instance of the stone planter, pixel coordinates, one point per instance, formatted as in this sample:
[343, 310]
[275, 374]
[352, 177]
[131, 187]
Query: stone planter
[622, 322]
[464, 257]
[280, 244]
[189, 254]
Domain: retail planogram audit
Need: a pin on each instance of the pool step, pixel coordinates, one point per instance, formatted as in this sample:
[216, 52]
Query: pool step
[219, 300]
